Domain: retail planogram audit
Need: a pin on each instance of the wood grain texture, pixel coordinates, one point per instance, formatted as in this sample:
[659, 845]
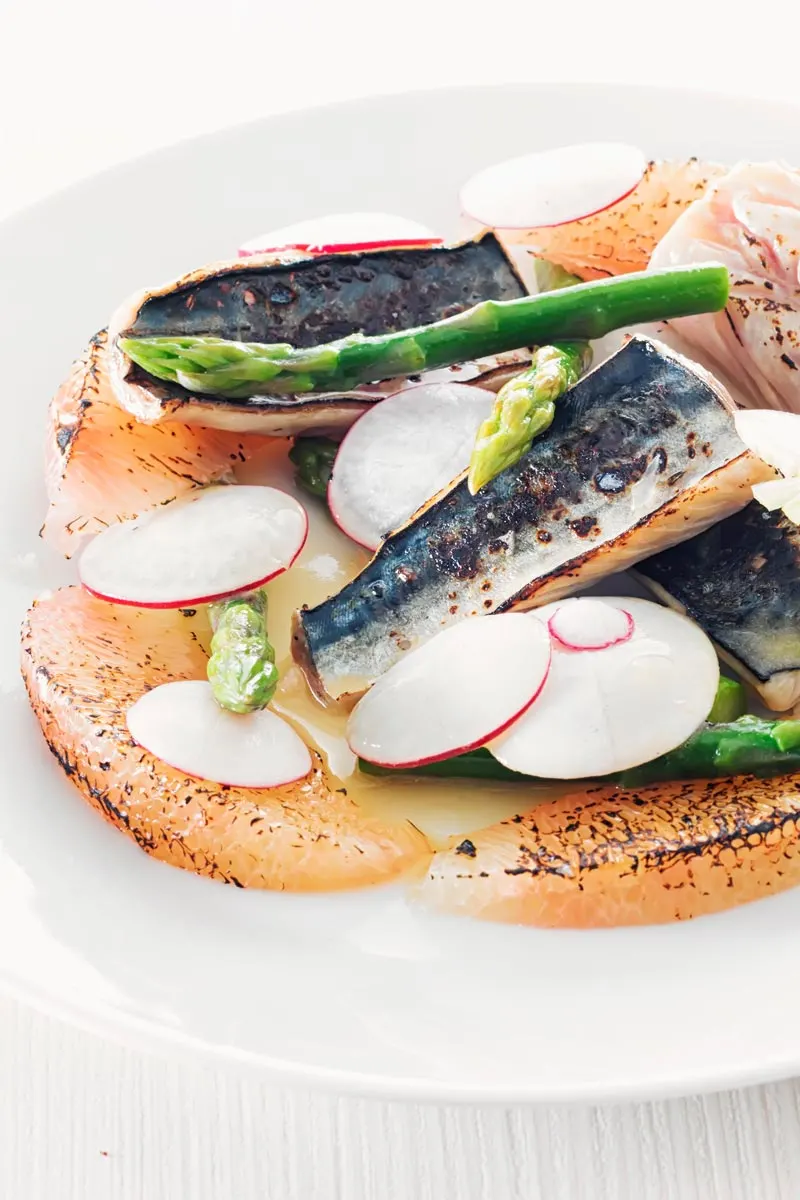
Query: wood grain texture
[83, 1119]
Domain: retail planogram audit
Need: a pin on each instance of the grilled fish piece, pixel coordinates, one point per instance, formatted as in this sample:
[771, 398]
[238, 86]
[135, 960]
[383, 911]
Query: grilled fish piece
[740, 581]
[642, 454]
[307, 301]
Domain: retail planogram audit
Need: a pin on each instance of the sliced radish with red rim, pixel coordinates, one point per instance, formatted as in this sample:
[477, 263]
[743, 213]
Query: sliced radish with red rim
[619, 707]
[340, 233]
[182, 724]
[453, 693]
[401, 453]
[553, 187]
[210, 544]
[588, 624]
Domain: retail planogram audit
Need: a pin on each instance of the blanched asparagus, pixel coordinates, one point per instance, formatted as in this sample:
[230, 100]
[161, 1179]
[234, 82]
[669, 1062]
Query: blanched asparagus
[313, 458]
[730, 702]
[241, 669]
[524, 408]
[237, 370]
[550, 277]
[475, 764]
[748, 746]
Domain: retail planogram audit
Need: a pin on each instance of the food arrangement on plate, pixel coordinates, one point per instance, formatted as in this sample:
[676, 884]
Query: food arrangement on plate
[353, 516]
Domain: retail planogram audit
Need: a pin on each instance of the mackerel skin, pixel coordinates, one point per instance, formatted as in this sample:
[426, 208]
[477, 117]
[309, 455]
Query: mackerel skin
[307, 301]
[642, 454]
[321, 299]
[740, 581]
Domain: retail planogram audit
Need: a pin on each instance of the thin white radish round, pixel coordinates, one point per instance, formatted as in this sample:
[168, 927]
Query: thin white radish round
[339, 232]
[182, 724]
[210, 544]
[590, 625]
[453, 693]
[773, 436]
[619, 707]
[554, 186]
[402, 452]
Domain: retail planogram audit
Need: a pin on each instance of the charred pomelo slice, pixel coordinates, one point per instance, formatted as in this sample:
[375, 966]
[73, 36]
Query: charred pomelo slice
[604, 857]
[85, 662]
[622, 238]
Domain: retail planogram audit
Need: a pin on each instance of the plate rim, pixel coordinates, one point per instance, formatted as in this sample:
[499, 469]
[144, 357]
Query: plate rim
[133, 1033]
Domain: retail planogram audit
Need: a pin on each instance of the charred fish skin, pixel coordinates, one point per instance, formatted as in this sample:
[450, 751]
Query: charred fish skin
[320, 299]
[642, 453]
[740, 581]
[307, 301]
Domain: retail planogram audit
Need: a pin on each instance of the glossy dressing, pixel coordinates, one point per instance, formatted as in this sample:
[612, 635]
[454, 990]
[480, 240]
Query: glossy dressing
[441, 808]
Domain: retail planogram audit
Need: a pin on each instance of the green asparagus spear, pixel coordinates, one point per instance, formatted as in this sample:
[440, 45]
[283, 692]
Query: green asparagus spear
[748, 746]
[524, 408]
[313, 457]
[241, 669]
[218, 367]
[730, 702]
[475, 764]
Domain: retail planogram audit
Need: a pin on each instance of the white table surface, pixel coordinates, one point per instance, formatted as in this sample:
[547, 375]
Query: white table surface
[84, 84]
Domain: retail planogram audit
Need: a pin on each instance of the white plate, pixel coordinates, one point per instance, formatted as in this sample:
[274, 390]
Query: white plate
[352, 991]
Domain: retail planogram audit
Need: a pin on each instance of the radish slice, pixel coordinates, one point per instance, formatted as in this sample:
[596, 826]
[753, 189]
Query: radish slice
[182, 724]
[590, 625]
[553, 187]
[341, 232]
[773, 436]
[402, 452]
[452, 693]
[780, 493]
[619, 707]
[210, 544]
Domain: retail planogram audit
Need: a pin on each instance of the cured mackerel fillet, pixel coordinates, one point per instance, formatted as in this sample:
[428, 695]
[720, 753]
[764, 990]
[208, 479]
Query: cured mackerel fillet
[102, 466]
[642, 454]
[85, 662]
[307, 302]
[605, 857]
[740, 581]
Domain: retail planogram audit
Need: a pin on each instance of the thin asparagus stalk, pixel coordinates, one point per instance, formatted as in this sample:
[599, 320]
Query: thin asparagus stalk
[730, 702]
[747, 746]
[237, 370]
[475, 764]
[313, 458]
[241, 669]
[524, 408]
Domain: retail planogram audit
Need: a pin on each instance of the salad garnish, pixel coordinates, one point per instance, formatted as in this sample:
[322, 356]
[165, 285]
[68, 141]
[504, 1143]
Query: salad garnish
[450, 424]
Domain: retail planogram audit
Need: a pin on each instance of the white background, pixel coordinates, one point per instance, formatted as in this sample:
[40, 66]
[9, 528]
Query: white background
[85, 84]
